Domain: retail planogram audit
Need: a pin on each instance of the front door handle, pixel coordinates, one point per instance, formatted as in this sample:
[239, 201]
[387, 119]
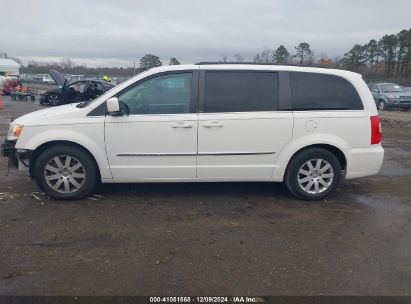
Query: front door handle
[212, 124]
[182, 125]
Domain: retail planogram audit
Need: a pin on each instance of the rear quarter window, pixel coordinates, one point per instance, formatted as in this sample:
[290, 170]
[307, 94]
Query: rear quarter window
[314, 91]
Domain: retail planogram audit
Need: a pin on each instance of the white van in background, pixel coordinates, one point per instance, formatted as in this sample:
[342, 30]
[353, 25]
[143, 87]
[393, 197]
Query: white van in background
[43, 78]
[308, 127]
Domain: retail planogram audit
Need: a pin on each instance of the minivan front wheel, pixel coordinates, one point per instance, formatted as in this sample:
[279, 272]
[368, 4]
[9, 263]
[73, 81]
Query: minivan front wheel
[64, 171]
[381, 105]
[313, 174]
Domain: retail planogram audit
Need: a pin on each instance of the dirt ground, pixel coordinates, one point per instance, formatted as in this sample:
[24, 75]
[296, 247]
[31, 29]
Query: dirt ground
[212, 238]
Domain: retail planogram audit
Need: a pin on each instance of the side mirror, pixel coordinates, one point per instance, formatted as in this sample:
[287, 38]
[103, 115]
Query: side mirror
[113, 107]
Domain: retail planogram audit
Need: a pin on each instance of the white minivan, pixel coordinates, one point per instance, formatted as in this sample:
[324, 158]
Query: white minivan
[308, 127]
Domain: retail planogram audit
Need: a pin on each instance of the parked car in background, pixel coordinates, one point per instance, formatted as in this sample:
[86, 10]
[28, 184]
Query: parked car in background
[43, 78]
[388, 96]
[308, 127]
[71, 92]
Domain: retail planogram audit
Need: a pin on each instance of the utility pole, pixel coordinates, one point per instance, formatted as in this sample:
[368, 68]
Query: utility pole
[134, 69]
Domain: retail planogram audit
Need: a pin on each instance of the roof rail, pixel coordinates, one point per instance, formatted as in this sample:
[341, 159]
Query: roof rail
[257, 63]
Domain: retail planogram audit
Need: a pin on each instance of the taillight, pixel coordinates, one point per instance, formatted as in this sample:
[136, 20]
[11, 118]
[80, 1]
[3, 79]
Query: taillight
[376, 132]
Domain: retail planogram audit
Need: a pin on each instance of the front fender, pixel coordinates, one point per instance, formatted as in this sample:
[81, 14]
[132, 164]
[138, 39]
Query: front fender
[89, 136]
[382, 97]
[296, 145]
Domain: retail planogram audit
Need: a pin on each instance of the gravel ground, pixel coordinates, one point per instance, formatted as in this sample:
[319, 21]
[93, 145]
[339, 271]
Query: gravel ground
[211, 238]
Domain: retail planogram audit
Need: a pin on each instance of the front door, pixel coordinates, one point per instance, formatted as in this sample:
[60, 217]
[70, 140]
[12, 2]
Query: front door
[157, 138]
[75, 92]
[240, 130]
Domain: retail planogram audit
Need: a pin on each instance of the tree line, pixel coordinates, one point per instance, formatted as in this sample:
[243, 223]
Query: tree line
[68, 66]
[389, 56]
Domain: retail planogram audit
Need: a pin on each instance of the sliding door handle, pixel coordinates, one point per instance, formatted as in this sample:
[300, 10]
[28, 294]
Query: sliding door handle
[212, 124]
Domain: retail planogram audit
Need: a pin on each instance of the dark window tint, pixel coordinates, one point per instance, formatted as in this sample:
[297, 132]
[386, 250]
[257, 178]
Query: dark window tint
[312, 91]
[240, 91]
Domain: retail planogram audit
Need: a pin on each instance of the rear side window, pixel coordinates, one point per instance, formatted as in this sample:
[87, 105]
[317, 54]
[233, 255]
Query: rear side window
[313, 91]
[240, 91]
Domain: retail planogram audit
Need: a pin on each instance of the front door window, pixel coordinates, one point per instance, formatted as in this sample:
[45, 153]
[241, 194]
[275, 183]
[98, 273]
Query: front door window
[164, 94]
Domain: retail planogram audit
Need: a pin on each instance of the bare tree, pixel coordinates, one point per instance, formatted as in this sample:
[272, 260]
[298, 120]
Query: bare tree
[238, 58]
[266, 56]
[224, 58]
[67, 63]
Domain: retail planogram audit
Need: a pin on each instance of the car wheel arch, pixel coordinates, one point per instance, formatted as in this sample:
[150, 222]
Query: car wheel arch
[337, 152]
[336, 146]
[36, 153]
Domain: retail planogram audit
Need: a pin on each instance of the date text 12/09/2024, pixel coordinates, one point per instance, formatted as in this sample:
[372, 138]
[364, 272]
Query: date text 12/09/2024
[204, 299]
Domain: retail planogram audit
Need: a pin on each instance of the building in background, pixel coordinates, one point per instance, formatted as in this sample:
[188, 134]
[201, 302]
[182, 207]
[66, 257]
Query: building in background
[9, 67]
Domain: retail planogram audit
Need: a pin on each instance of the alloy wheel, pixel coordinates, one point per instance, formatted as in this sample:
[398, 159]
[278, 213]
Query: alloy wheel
[54, 100]
[315, 176]
[64, 174]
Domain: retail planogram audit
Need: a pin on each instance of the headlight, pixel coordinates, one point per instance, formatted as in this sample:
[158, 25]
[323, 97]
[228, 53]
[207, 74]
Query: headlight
[14, 132]
[393, 96]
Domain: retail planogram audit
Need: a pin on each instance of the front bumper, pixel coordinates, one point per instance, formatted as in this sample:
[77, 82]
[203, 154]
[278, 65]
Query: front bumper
[43, 99]
[399, 103]
[18, 159]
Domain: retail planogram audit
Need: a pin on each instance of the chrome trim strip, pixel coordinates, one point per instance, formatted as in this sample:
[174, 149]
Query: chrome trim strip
[195, 154]
[233, 153]
[157, 154]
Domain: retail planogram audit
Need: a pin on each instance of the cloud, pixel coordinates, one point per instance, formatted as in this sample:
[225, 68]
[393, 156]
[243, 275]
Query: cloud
[118, 32]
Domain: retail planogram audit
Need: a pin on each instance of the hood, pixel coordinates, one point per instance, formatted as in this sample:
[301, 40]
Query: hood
[55, 90]
[41, 116]
[58, 78]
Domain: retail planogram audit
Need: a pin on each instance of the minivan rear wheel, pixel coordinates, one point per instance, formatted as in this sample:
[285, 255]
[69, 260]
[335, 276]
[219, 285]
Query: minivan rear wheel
[65, 172]
[313, 174]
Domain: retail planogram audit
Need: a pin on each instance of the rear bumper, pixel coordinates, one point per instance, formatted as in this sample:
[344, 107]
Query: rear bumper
[364, 162]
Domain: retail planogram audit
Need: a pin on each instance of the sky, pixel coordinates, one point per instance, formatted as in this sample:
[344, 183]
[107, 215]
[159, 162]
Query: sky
[115, 33]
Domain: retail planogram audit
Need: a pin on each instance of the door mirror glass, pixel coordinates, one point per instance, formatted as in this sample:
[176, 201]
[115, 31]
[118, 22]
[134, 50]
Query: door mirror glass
[113, 106]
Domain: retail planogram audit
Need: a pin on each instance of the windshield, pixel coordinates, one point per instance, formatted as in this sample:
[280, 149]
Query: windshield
[391, 87]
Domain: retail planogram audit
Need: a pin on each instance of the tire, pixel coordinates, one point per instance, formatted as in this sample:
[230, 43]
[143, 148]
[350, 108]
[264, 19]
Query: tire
[298, 174]
[381, 105]
[66, 172]
[54, 99]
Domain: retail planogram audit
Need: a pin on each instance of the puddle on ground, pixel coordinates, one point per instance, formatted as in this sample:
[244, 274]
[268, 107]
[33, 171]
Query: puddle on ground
[397, 162]
[376, 200]
[394, 168]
